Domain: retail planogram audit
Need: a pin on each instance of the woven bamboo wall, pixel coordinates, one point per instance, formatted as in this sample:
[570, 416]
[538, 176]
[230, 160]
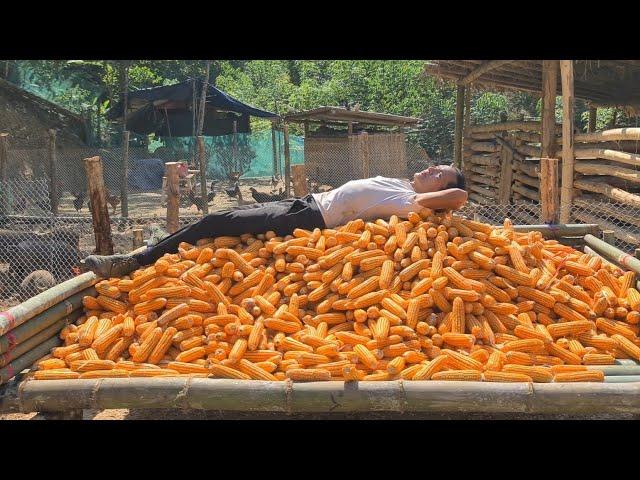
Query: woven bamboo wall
[337, 160]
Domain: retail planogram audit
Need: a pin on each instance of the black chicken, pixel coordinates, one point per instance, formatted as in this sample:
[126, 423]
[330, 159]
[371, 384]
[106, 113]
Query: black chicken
[197, 201]
[265, 197]
[233, 192]
[78, 202]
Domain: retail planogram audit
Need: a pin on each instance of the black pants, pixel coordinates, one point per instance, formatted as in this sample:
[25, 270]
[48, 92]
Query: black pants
[283, 217]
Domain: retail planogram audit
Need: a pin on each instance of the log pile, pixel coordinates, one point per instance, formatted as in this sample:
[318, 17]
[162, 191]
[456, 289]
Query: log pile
[502, 163]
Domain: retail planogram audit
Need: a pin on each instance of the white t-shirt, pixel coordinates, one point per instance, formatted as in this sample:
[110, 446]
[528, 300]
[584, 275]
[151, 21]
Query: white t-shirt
[369, 199]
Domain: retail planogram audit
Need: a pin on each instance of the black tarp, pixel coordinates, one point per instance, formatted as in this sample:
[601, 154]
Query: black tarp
[150, 117]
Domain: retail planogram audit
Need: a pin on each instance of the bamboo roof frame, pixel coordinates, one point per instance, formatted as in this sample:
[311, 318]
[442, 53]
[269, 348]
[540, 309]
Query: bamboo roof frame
[336, 115]
[602, 83]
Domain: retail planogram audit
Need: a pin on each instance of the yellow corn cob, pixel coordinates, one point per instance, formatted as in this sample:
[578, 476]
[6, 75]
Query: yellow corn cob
[585, 376]
[146, 347]
[536, 373]
[565, 355]
[114, 373]
[627, 346]
[101, 343]
[52, 364]
[222, 371]
[569, 328]
[308, 375]
[111, 304]
[513, 275]
[460, 361]
[598, 359]
[458, 375]
[55, 374]
[505, 376]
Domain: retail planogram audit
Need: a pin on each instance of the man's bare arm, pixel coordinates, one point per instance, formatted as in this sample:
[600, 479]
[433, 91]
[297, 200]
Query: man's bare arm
[450, 199]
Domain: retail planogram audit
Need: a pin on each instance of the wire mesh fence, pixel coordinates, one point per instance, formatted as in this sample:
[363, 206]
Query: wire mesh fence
[33, 239]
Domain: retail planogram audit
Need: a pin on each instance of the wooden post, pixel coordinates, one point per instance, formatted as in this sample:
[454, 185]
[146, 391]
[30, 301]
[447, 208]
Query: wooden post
[457, 138]
[467, 107]
[637, 253]
[173, 196]
[4, 158]
[203, 98]
[350, 128]
[568, 101]
[124, 176]
[549, 82]
[366, 158]
[99, 211]
[506, 176]
[300, 187]
[287, 162]
[273, 145]
[138, 238]
[549, 190]
[593, 115]
[609, 236]
[202, 161]
[236, 164]
[53, 173]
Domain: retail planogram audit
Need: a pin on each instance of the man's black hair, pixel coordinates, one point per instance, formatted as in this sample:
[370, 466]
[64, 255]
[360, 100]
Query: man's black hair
[460, 181]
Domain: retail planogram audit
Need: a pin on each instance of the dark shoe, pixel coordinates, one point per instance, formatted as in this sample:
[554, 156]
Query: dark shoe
[111, 265]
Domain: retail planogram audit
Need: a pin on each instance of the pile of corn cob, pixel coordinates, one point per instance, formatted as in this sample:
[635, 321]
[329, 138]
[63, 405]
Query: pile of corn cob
[433, 297]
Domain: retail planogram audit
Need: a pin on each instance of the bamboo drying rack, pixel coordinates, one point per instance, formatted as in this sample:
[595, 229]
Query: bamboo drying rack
[29, 331]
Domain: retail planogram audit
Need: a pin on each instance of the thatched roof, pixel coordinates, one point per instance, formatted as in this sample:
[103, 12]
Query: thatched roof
[27, 118]
[599, 82]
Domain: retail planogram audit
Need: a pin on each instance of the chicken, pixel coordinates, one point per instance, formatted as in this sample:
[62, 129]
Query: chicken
[113, 200]
[265, 197]
[233, 192]
[78, 202]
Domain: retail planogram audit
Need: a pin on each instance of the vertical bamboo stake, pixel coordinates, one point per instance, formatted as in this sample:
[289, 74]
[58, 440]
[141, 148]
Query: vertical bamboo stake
[273, 146]
[549, 82]
[609, 236]
[287, 162]
[4, 157]
[53, 173]
[457, 138]
[593, 115]
[173, 195]
[568, 101]
[124, 176]
[467, 107]
[236, 163]
[203, 98]
[202, 161]
[366, 158]
[300, 187]
[138, 237]
[549, 190]
[99, 211]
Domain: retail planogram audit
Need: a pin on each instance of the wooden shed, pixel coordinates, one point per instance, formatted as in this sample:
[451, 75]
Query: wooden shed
[342, 145]
[579, 176]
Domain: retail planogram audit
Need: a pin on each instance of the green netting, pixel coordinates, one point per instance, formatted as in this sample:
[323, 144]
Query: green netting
[250, 153]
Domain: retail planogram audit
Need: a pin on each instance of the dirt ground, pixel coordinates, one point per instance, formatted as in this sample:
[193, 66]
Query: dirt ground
[150, 204]
[172, 414]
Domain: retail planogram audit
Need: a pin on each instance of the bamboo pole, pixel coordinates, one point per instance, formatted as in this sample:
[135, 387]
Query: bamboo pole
[549, 82]
[612, 253]
[54, 195]
[622, 235]
[273, 146]
[594, 168]
[568, 160]
[366, 157]
[99, 210]
[549, 190]
[38, 322]
[32, 342]
[287, 162]
[236, 163]
[486, 160]
[320, 397]
[525, 126]
[506, 176]
[203, 98]
[611, 135]
[173, 196]
[28, 309]
[4, 158]
[526, 192]
[593, 115]
[560, 230]
[202, 162]
[608, 190]
[457, 138]
[25, 361]
[124, 176]
[467, 108]
[606, 154]
[527, 180]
